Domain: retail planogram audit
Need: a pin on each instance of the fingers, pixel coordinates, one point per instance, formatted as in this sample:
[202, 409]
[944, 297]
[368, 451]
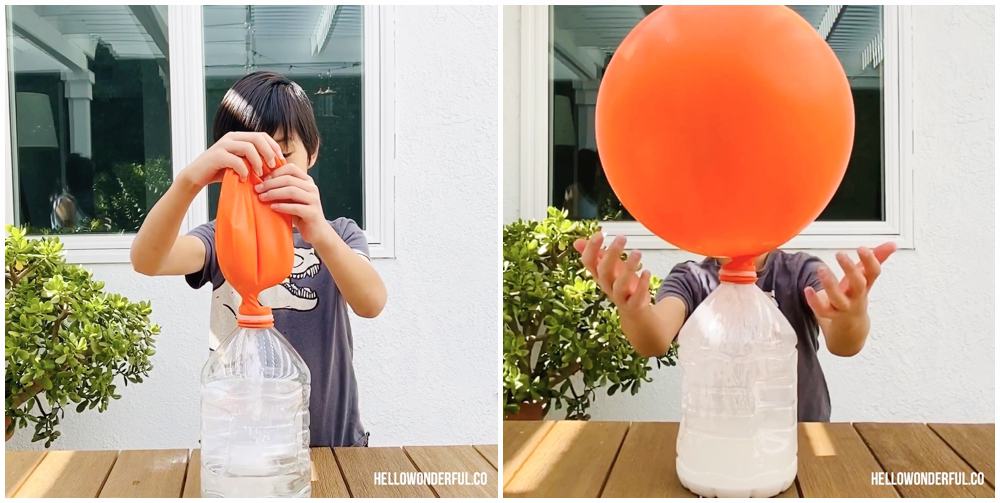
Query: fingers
[855, 279]
[580, 244]
[606, 268]
[833, 292]
[285, 181]
[269, 149]
[292, 170]
[291, 194]
[294, 209]
[591, 253]
[247, 151]
[884, 250]
[235, 163]
[624, 285]
[872, 267]
[820, 307]
[641, 295]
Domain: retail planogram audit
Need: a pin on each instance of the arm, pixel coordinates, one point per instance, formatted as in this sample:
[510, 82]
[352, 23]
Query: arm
[291, 190]
[841, 309]
[157, 249]
[652, 328]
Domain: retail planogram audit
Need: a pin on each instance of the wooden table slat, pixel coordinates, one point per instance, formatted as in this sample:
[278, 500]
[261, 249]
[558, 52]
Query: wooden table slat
[68, 474]
[573, 460]
[328, 483]
[835, 462]
[456, 459]
[491, 454]
[192, 480]
[904, 447]
[520, 438]
[147, 474]
[18, 466]
[975, 443]
[647, 464]
[361, 463]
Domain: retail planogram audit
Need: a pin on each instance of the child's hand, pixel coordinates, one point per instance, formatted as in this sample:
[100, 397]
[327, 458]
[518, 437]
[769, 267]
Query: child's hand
[850, 295]
[616, 277]
[233, 151]
[291, 190]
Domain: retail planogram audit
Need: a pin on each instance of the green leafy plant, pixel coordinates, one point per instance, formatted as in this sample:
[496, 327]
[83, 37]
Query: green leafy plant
[67, 340]
[562, 337]
[125, 195]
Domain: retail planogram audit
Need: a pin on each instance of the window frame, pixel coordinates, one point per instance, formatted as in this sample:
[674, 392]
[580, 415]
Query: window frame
[534, 143]
[188, 134]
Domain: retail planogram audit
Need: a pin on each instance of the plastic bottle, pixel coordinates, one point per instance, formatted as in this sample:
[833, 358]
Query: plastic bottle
[255, 416]
[738, 361]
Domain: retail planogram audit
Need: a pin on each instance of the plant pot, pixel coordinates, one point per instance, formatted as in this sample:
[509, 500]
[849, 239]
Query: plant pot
[6, 428]
[529, 412]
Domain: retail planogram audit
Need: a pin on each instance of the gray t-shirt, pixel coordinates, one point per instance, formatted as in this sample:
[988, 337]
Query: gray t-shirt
[310, 312]
[784, 277]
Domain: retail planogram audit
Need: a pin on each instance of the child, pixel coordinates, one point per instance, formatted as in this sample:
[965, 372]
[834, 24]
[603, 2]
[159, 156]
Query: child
[795, 281]
[263, 117]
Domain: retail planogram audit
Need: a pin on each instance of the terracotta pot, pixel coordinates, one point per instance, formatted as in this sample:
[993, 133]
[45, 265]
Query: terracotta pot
[6, 426]
[529, 412]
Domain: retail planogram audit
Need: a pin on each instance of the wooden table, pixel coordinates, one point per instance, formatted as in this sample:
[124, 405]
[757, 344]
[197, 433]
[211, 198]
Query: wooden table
[338, 472]
[621, 459]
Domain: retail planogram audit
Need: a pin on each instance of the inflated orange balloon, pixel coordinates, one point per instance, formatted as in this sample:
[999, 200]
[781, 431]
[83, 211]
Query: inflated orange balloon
[254, 244]
[724, 130]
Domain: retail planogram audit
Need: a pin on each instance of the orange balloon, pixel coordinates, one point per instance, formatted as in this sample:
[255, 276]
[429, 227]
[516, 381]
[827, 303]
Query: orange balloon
[254, 244]
[724, 130]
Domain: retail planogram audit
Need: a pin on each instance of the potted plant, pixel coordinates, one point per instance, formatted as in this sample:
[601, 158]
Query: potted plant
[67, 340]
[562, 337]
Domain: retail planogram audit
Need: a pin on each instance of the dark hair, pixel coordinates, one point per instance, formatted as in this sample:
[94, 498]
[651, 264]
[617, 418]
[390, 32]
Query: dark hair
[267, 102]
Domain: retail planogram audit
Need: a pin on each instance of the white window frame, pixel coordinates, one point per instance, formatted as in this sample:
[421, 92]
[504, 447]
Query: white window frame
[897, 140]
[187, 125]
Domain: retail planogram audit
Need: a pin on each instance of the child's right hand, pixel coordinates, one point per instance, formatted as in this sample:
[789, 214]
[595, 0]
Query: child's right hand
[616, 277]
[233, 151]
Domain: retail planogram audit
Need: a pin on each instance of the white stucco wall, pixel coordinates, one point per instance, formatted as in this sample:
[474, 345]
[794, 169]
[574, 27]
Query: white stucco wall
[931, 352]
[426, 367]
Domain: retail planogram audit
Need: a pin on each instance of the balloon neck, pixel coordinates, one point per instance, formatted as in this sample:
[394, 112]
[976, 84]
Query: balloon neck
[740, 270]
[254, 316]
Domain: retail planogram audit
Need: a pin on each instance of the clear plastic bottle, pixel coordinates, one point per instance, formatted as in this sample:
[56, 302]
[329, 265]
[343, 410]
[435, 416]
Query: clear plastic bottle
[739, 362]
[255, 416]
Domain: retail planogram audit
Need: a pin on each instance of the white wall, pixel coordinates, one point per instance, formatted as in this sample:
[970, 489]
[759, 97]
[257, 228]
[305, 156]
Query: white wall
[931, 352]
[426, 367]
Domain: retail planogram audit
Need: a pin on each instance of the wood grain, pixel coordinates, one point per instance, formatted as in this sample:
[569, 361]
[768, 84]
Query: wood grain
[975, 443]
[147, 474]
[192, 480]
[69, 474]
[490, 453]
[835, 462]
[329, 482]
[459, 459]
[573, 460]
[907, 447]
[360, 465]
[520, 438]
[17, 467]
[647, 464]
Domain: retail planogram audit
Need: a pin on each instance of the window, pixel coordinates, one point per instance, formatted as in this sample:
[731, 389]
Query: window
[89, 115]
[320, 47]
[100, 122]
[565, 50]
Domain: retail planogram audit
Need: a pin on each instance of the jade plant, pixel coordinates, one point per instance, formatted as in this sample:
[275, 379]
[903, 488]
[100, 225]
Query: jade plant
[562, 336]
[67, 341]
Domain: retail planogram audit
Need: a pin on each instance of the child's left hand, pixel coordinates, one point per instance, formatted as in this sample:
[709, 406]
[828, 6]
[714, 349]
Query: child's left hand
[291, 190]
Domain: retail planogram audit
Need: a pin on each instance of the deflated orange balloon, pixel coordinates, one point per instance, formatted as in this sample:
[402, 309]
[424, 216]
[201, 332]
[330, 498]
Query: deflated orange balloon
[254, 244]
[724, 130]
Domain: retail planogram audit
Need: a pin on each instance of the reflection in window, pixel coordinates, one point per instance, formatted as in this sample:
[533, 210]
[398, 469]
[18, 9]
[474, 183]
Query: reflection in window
[321, 48]
[89, 116]
[582, 41]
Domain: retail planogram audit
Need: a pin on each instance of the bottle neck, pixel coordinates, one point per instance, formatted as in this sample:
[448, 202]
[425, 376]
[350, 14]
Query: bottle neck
[739, 270]
[255, 321]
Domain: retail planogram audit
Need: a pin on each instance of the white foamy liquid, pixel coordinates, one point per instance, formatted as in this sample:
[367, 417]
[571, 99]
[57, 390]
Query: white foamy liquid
[254, 440]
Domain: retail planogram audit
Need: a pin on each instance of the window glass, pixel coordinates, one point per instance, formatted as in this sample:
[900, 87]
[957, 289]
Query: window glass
[582, 41]
[89, 115]
[321, 48]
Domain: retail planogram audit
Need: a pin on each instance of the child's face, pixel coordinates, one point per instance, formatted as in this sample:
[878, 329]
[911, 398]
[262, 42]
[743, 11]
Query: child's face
[295, 152]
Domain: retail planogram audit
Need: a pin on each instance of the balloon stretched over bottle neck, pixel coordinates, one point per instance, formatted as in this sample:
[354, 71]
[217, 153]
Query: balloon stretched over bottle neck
[740, 270]
[254, 245]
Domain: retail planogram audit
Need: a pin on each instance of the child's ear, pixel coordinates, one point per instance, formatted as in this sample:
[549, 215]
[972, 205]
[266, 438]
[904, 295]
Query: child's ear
[312, 160]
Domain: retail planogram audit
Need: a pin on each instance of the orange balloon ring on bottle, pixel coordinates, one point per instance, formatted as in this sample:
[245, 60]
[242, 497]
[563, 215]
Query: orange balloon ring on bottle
[725, 130]
[254, 245]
